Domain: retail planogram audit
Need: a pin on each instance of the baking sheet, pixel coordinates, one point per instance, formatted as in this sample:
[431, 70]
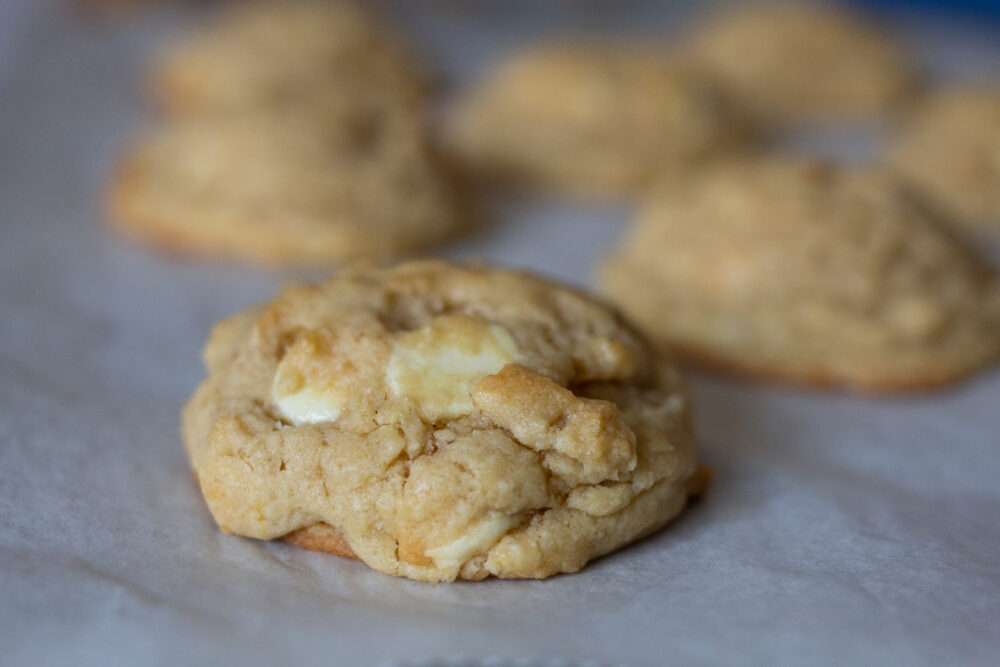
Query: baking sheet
[839, 530]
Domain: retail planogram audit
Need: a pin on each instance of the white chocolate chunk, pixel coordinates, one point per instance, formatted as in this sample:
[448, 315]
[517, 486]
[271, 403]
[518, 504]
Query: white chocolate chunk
[484, 535]
[310, 407]
[300, 397]
[437, 365]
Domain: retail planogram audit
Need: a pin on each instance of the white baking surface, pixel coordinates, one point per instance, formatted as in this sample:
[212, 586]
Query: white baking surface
[839, 530]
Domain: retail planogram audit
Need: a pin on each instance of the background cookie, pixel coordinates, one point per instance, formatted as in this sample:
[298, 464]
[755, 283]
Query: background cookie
[590, 119]
[801, 62]
[270, 53]
[803, 271]
[949, 147]
[312, 185]
[440, 422]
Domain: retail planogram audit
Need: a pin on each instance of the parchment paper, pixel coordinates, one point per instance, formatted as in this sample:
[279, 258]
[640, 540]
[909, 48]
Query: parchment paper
[839, 530]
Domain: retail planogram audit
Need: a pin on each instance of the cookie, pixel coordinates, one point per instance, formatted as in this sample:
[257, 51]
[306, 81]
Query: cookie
[590, 119]
[801, 62]
[949, 148]
[313, 185]
[439, 421]
[261, 54]
[803, 271]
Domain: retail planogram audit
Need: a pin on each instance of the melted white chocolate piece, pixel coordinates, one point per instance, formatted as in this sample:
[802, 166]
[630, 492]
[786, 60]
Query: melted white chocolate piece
[301, 396]
[482, 536]
[438, 364]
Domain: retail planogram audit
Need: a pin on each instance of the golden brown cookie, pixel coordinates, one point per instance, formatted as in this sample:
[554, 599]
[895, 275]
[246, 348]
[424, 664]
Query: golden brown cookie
[949, 148]
[807, 272]
[259, 54]
[312, 185]
[801, 62]
[438, 422]
[590, 119]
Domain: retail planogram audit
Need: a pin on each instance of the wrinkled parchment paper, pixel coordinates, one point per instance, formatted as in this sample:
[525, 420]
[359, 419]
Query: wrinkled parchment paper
[839, 530]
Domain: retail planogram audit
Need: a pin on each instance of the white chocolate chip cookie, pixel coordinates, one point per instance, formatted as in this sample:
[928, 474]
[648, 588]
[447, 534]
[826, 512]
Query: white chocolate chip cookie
[803, 271]
[949, 148]
[795, 62]
[590, 119]
[260, 54]
[312, 185]
[440, 422]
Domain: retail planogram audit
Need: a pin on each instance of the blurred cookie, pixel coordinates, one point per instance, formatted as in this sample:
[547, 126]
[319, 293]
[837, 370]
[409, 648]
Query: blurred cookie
[439, 422]
[284, 53]
[590, 119]
[118, 7]
[801, 62]
[312, 185]
[803, 271]
[949, 147]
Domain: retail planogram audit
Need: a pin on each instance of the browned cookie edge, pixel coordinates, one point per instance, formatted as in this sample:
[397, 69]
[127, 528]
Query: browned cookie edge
[321, 537]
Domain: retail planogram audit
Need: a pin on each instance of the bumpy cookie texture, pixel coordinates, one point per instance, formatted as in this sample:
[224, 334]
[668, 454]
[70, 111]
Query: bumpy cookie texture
[440, 422]
[804, 271]
[788, 62]
[312, 185]
[591, 119]
[949, 147]
[283, 54]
